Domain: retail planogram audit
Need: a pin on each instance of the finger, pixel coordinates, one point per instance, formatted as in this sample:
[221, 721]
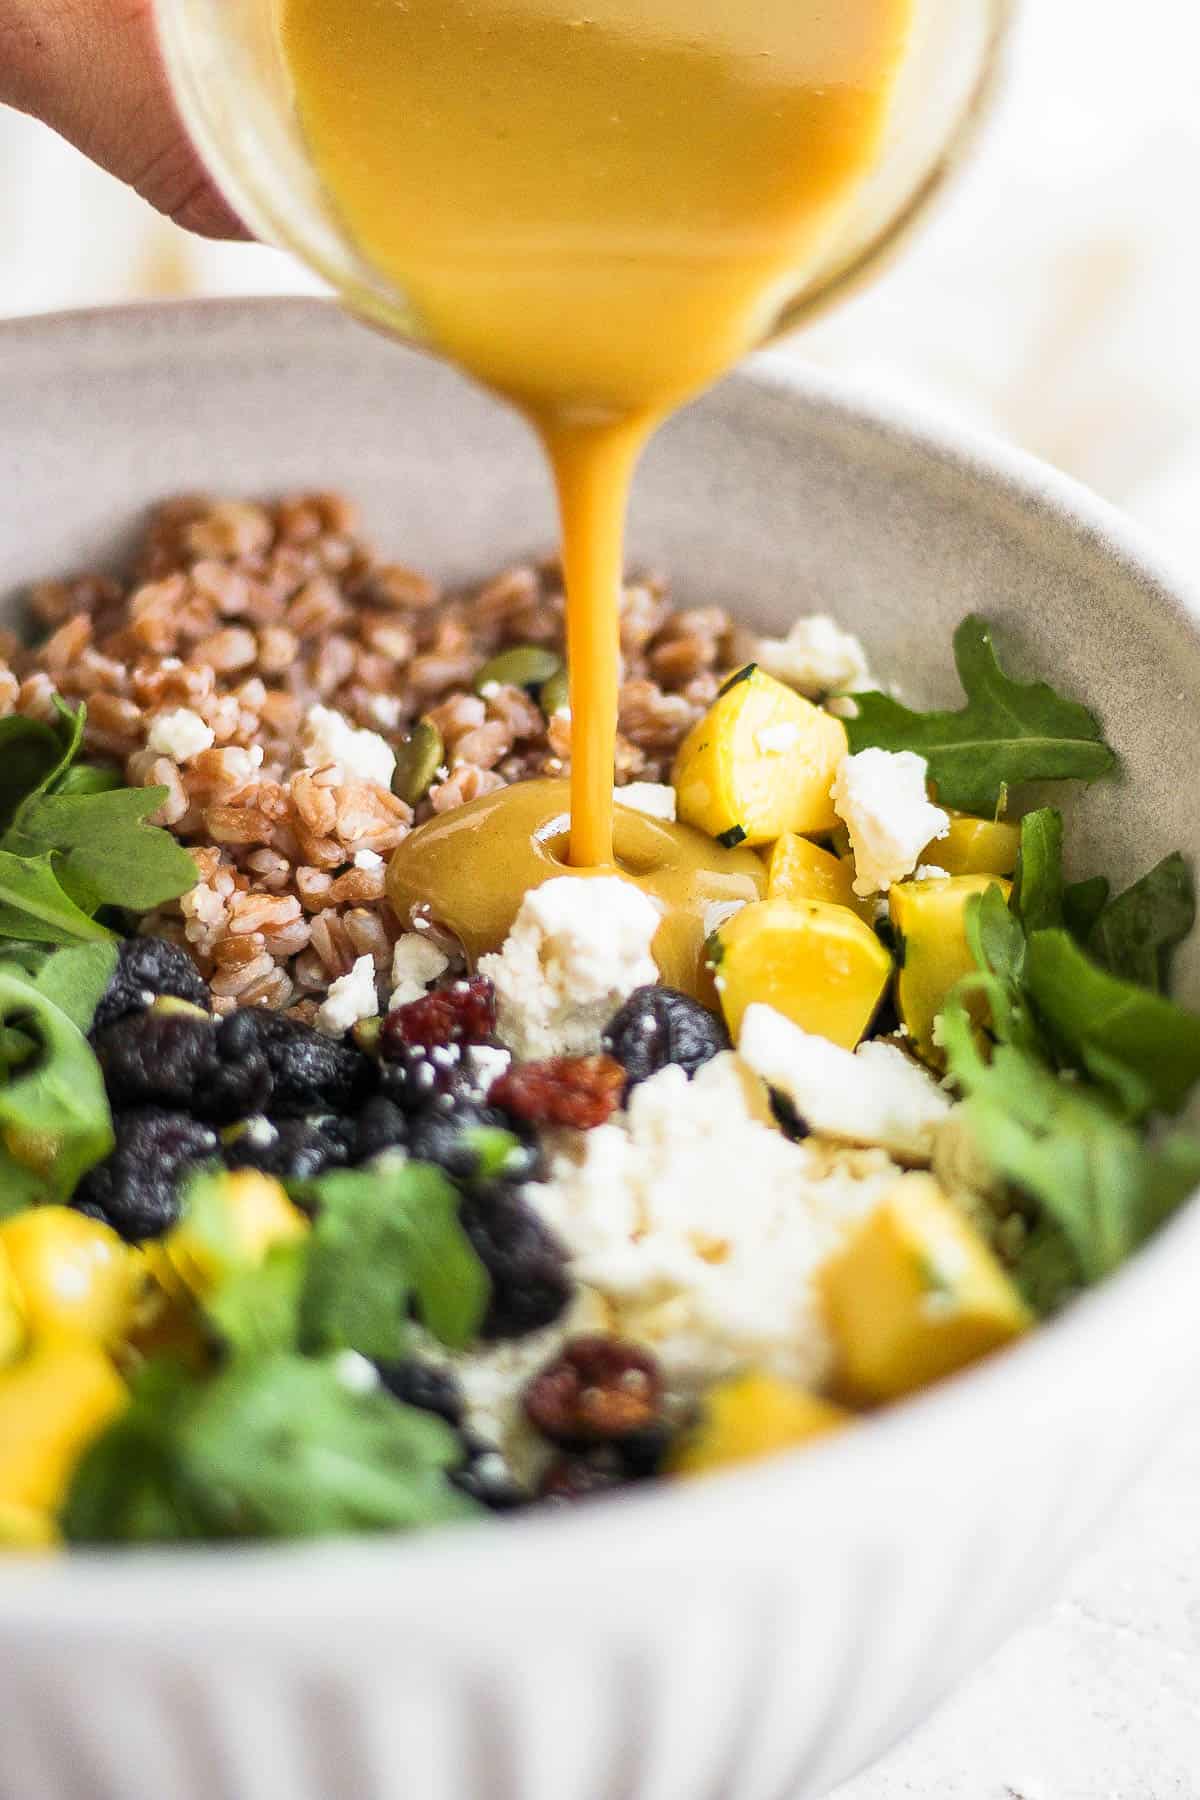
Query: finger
[92, 70]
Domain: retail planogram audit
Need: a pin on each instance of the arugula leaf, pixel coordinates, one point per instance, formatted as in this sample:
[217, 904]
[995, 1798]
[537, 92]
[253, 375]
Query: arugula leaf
[54, 1118]
[1008, 732]
[110, 856]
[88, 778]
[35, 906]
[76, 978]
[1038, 890]
[1139, 1045]
[1083, 902]
[995, 937]
[1135, 933]
[381, 1237]
[273, 1446]
[1065, 1146]
[257, 1310]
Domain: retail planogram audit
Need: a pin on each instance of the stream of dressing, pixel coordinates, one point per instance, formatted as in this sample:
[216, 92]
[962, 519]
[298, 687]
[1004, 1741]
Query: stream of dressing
[596, 209]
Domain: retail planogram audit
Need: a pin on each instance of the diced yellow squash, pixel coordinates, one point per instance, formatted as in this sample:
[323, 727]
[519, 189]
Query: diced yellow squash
[915, 1294]
[27, 1528]
[752, 1416]
[798, 869]
[760, 762]
[817, 964]
[53, 1402]
[975, 847]
[13, 1327]
[929, 919]
[76, 1277]
[231, 1227]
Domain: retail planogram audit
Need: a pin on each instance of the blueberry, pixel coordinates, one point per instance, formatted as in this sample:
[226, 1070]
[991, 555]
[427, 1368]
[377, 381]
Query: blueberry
[136, 1188]
[380, 1127]
[184, 1061]
[524, 1260]
[414, 1077]
[657, 1026]
[443, 1134]
[292, 1150]
[424, 1386]
[487, 1478]
[310, 1072]
[147, 968]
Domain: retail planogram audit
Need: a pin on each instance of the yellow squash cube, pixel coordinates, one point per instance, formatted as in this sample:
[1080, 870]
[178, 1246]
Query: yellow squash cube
[76, 1277]
[52, 1404]
[752, 1416]
[916, 1294]
[929, 919]
[798, 869]
[975, 847]
[817, 964]
[234, 1222]
[760, 762]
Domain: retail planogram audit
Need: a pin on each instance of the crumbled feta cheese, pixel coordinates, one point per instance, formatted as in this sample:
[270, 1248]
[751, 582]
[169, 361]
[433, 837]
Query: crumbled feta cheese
[415, 963]
[576, 950]
[328, 737]
[880, 796]
[701, 1226]
[180, 734]
[350, 998]
[386, 710]
[875, 1096]
[816, 657]
[773, 740]
[367, 859]
[485, 1064]
[654, 798]
[931, 872]
[257, 1130]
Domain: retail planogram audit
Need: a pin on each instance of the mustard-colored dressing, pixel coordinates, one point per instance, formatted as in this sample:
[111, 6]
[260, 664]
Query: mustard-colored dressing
[595, 208]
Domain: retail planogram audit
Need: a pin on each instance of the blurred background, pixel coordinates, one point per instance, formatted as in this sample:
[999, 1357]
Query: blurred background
[1054, 299]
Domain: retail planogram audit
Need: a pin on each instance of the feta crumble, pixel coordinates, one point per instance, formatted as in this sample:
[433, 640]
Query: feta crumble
[367, 859]
[180, 734]
[576, 950]
[931, 872]
[880, 797]
[701, 1226]
[415, 963]
[654, 798]
[328, 737]
[816, 657]
[350, 998]
[876, 1095]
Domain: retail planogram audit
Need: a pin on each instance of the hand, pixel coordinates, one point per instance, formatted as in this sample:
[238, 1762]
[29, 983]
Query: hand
[91, 69]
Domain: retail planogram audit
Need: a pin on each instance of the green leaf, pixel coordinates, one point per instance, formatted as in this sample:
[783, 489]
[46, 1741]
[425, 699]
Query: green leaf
[75, 980]
[1083, 902]
[1140, 1045]
[380, 1238]
[257, 1310]
[88, 778]
[1064, 1146]
[994, 936]
[54, 1117]
[1135, 934]
[1008, 732]
[1038, 891]
[34, 906]
[273, 1446]
[110, 855]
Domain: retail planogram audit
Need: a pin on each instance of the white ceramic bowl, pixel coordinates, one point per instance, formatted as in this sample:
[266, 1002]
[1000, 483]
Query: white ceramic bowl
[756, 1637]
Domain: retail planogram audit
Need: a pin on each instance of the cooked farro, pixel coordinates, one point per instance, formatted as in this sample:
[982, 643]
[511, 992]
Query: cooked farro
[243, 616]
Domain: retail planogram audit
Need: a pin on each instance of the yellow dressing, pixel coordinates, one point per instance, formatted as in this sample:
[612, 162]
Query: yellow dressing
[595, 209]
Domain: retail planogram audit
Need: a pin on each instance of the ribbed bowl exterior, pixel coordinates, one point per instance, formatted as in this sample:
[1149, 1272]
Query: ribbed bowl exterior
[756, 1637]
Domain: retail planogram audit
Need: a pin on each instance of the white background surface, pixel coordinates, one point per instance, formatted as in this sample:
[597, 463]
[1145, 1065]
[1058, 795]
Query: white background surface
[1056, 300]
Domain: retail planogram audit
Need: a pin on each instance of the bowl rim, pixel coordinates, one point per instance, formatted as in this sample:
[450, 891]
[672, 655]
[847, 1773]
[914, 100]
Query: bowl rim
[153, 1590]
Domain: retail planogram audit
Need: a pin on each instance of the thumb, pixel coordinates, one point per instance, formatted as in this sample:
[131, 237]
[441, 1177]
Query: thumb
[92, 70]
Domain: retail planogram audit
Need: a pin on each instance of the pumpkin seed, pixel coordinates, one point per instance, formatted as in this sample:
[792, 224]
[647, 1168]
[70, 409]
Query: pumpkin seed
[554, 695]
[418, 759]
[527, 666]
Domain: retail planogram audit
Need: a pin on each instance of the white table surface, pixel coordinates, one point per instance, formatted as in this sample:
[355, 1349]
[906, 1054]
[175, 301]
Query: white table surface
[1098, 1698]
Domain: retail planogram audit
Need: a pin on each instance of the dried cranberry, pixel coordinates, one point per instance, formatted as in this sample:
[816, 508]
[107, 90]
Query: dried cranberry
[599, 1390]
[581, 1091]
[463, 1013]
[572, 1478]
